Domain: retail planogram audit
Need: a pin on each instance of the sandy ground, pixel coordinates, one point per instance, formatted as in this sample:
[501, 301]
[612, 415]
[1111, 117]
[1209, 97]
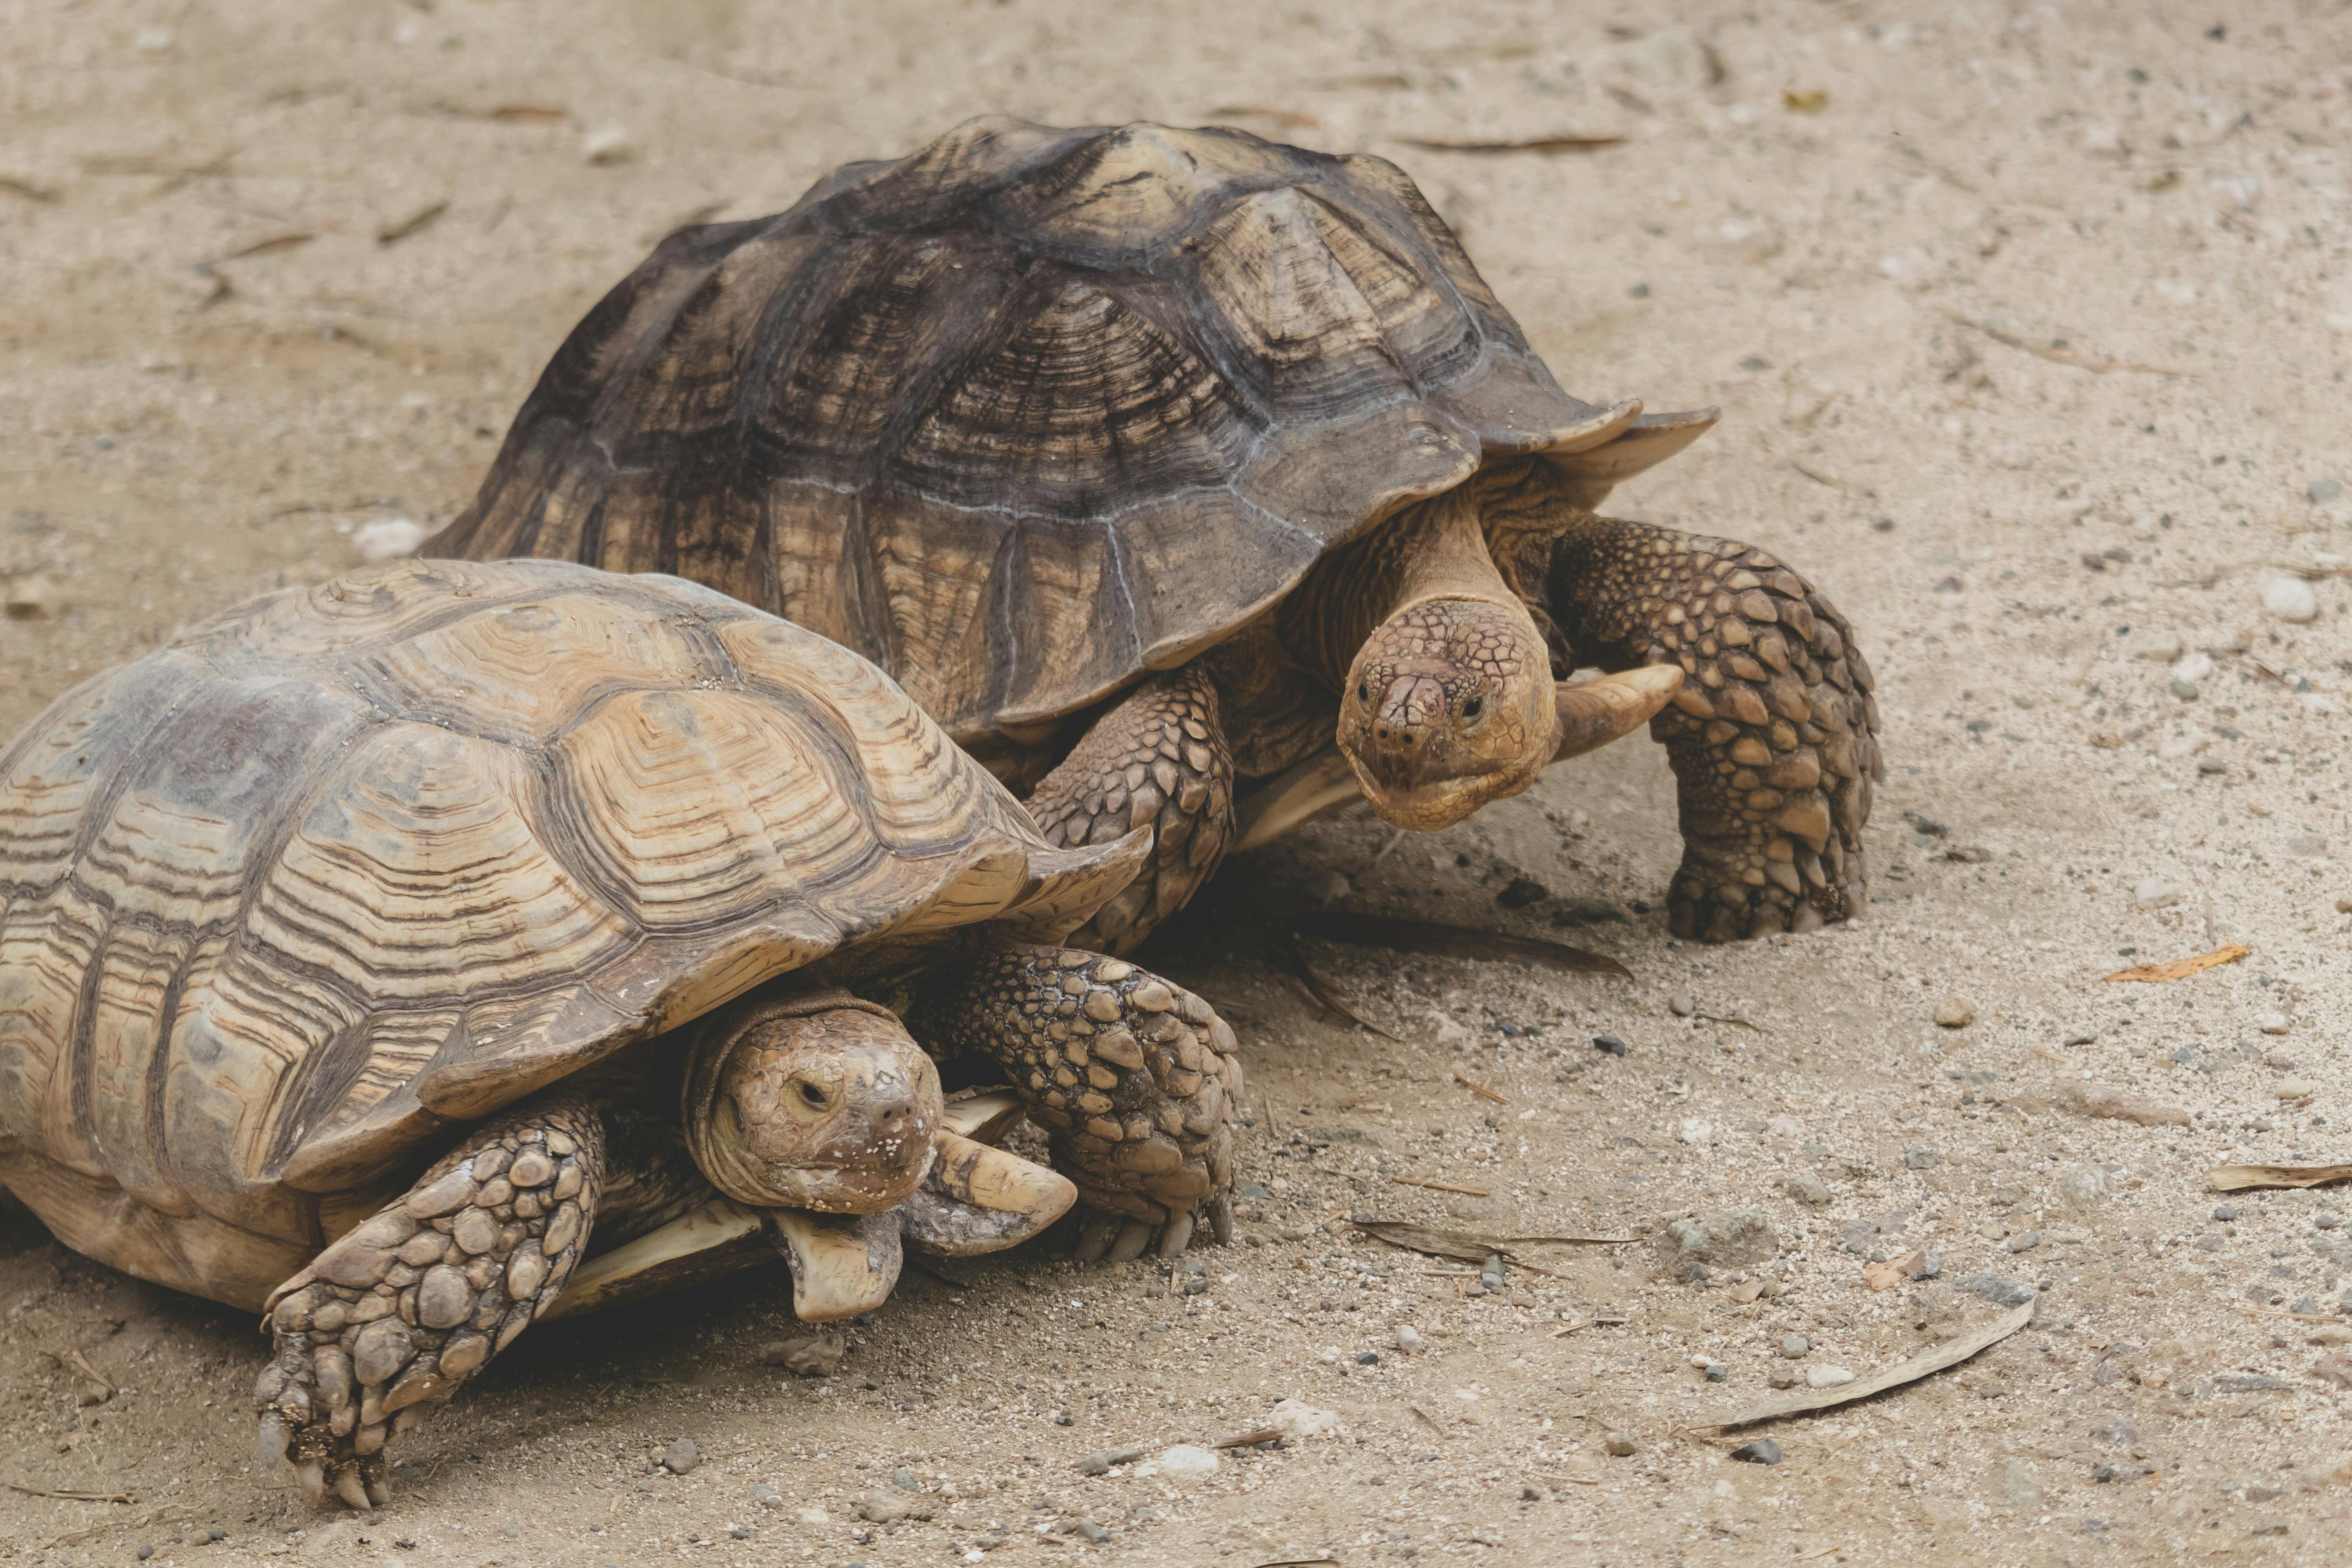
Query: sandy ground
[2030, 325]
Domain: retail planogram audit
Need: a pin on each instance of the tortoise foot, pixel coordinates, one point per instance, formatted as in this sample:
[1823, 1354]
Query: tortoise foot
[397, 1315]
[1109, 1235]
[1133, 1077]
[1764, 882]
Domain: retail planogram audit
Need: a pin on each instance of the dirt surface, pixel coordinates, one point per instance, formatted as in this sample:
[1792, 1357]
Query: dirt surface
[2030, 326]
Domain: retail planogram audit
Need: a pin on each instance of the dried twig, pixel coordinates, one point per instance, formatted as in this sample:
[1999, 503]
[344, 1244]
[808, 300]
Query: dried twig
[1441, 1186]
[1425, 1415]
[71, 1497]
[415, 222]
[1453, 941]
[2062, 356]
[1320, 989]
[1480, 1090]
[2281, 1313]
[1547, 144]
[1250, 1439]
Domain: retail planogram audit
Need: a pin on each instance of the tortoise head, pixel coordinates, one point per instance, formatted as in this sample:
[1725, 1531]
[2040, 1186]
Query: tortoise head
[816, 1101]
[1449, 705]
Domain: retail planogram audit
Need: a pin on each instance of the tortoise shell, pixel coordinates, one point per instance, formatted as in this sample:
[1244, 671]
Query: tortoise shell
[1031, 411]
[282, 900]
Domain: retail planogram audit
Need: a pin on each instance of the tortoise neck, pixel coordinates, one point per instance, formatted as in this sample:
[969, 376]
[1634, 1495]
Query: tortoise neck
[1435, 549]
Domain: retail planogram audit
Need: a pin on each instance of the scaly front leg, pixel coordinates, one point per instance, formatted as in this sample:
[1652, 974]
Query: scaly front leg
[400, 1312]
[1133, 1079]
[1773, 735]
[1158, 758]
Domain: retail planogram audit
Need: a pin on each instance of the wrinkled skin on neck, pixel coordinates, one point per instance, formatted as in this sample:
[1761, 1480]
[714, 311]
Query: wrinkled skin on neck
[815, 1102]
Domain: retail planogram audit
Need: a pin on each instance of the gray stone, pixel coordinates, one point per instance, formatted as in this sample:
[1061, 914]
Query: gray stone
[891, 1507]
[2225, 1212]
[2326, 490]
[2014, 1484]
[904, 1479]
[682, 1457]
[807, 1355]
[1810, 1191]
[1101, 1460]
[1919, 1157]
[1716, 1238]
[1794, 1345]
[1609, 1044]
[1085, 1529]
[2001, 1293]
[2023, 1241]
[2081, 1187]
[766, 1496]
[1682, 1005]
[1762, 1451]
[1522, 892]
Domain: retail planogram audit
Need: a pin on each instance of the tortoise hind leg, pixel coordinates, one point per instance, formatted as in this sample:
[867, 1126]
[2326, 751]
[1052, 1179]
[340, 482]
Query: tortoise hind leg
[1158, 757]
[1133, 1079]
[399, 1314]
[1772, 735]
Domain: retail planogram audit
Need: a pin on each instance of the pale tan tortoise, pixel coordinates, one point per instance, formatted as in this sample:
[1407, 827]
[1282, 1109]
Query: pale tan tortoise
[451, 944]
[1156, 462]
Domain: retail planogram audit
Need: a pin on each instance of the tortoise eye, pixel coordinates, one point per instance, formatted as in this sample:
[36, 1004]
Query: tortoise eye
[812, 1096]
[1363, 691]
[1472, 709]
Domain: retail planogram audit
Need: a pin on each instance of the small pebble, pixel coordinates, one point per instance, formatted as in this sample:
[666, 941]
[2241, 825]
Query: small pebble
[1954, 1013]
[2290, 599]
[1810, 1191]
[388, 539]
[606, 145]
[2156, 893]
[2326, 490]
[1330, 888]
[1609, 1044]
[2226, 1212]
[28, 598]
[1367, 1358]
[1530, 1494]
[1794, 1345]
[739, 1532]
[1682, 1006]
[1187, 1462]
[1522, 892]
[1101, 1461]
[1619, 1444]
[1762, 1451]
[1919, 1157]
[2023, 1241]
[2273, 1024]
[1408, 1339]
[2183, 690]
[1086, 1529]
[818, 1354]
[766, 1496]
[682, 1457]
[1826, 1376]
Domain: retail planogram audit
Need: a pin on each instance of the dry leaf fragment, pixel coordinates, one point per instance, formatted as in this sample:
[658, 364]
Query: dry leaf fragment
[1453, 941]
[1546, 144]
[1891, 1274]
[1950, 1354]
[2242, 1178]
[2114, 1105]
[2150, 973]
[1811, 102]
